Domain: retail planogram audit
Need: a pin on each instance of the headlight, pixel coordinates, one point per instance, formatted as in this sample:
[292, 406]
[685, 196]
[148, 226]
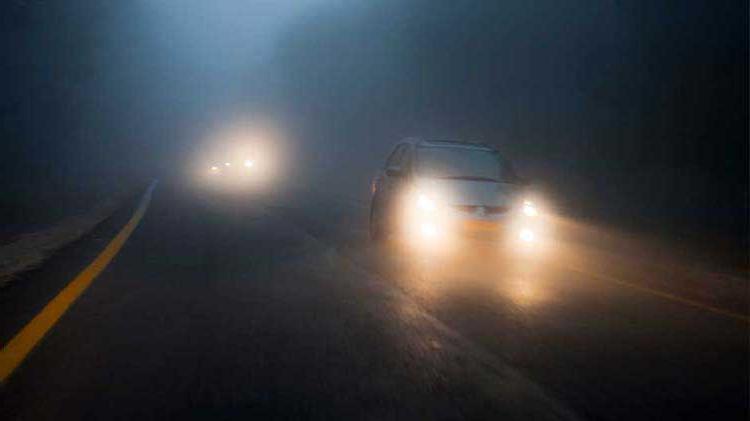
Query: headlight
[226, 164]
[248, 163]
[428, 230]
[425, 203]
[526, 235]
[529, 209]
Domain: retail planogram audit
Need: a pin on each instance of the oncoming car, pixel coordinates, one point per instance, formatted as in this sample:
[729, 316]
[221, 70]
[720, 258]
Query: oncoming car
[230, 168]
[232, 175]
[435, 192]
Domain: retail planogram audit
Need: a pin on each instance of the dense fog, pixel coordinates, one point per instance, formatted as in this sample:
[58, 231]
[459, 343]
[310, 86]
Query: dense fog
[623, 111]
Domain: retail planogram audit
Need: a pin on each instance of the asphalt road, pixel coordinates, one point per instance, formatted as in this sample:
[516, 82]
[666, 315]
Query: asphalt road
[224, 306]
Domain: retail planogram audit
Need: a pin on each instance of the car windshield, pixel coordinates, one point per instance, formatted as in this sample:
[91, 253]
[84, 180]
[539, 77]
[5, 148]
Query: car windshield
[463, 163]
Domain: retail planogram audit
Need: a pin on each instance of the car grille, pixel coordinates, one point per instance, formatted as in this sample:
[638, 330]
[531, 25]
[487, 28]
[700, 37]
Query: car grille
[487, 210]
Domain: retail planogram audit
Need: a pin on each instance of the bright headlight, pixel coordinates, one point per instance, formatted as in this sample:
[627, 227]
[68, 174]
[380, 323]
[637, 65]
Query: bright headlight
[529, 209]
[428, 230]
[214, 168]
[526, 235]
[425, 203]
[248, 163]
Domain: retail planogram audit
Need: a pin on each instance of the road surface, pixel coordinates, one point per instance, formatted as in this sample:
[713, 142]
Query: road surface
[224, 306]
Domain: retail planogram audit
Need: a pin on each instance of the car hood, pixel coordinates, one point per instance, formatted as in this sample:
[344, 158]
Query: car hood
[469, 192]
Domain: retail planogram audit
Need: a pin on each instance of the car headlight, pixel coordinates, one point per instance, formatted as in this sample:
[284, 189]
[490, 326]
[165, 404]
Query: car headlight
[529, 209]
[428, 229]
[248, 163]
[426, 203]
[527, 235]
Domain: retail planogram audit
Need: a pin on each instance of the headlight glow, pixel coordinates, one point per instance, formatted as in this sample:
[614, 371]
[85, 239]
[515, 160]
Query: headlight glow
[529, 208]
[526, 235]
[214, 168]
[226, 164]
[425, 203]
[428, 230]
[248, 163]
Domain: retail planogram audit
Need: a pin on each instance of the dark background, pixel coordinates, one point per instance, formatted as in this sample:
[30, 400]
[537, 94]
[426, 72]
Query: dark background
[633, 113]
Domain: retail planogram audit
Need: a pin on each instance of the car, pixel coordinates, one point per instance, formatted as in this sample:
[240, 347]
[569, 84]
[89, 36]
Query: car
[230, 174]
[433, 191]
[226, 168]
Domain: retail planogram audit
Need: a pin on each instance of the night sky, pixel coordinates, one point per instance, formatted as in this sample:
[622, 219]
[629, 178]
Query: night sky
[628, 108]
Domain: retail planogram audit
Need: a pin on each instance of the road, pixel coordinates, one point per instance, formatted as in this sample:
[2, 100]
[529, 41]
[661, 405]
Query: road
[278, 307]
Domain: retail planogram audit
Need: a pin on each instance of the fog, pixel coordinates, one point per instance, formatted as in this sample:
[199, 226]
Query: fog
[623, 111]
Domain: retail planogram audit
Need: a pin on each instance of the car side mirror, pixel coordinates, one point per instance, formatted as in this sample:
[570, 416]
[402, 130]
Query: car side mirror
[394, 172]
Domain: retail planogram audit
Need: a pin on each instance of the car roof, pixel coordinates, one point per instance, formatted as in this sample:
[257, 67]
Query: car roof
[439, 143]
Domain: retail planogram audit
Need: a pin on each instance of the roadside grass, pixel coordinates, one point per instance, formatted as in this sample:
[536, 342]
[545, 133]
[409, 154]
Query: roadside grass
[39, 224]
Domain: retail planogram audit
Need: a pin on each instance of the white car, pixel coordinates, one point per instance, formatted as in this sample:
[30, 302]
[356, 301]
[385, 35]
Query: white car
[431, 190]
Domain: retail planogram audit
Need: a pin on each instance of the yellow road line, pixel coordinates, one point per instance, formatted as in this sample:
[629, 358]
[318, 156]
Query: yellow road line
[15, 351]
[666, 295]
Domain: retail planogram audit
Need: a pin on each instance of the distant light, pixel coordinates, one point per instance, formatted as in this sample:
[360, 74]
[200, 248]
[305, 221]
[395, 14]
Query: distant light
[248, 163]
[226, 164]
[526, 235]
[214, 168]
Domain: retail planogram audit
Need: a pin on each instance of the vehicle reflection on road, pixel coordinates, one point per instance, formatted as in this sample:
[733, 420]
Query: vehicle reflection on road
[479, 270]
[531, 279]
[523, 291]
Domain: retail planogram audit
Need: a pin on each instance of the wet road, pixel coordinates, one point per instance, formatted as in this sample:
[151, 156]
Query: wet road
[237, 306]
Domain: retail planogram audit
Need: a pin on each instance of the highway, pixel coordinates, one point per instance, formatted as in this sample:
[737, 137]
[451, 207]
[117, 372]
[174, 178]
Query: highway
[277, 306]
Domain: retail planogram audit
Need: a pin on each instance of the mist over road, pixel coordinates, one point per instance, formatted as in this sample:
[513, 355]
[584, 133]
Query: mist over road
[625, 120]
[277, 306]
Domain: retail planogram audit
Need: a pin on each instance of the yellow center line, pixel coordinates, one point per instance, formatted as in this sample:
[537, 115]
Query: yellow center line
[15, 351]
[665, 295]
